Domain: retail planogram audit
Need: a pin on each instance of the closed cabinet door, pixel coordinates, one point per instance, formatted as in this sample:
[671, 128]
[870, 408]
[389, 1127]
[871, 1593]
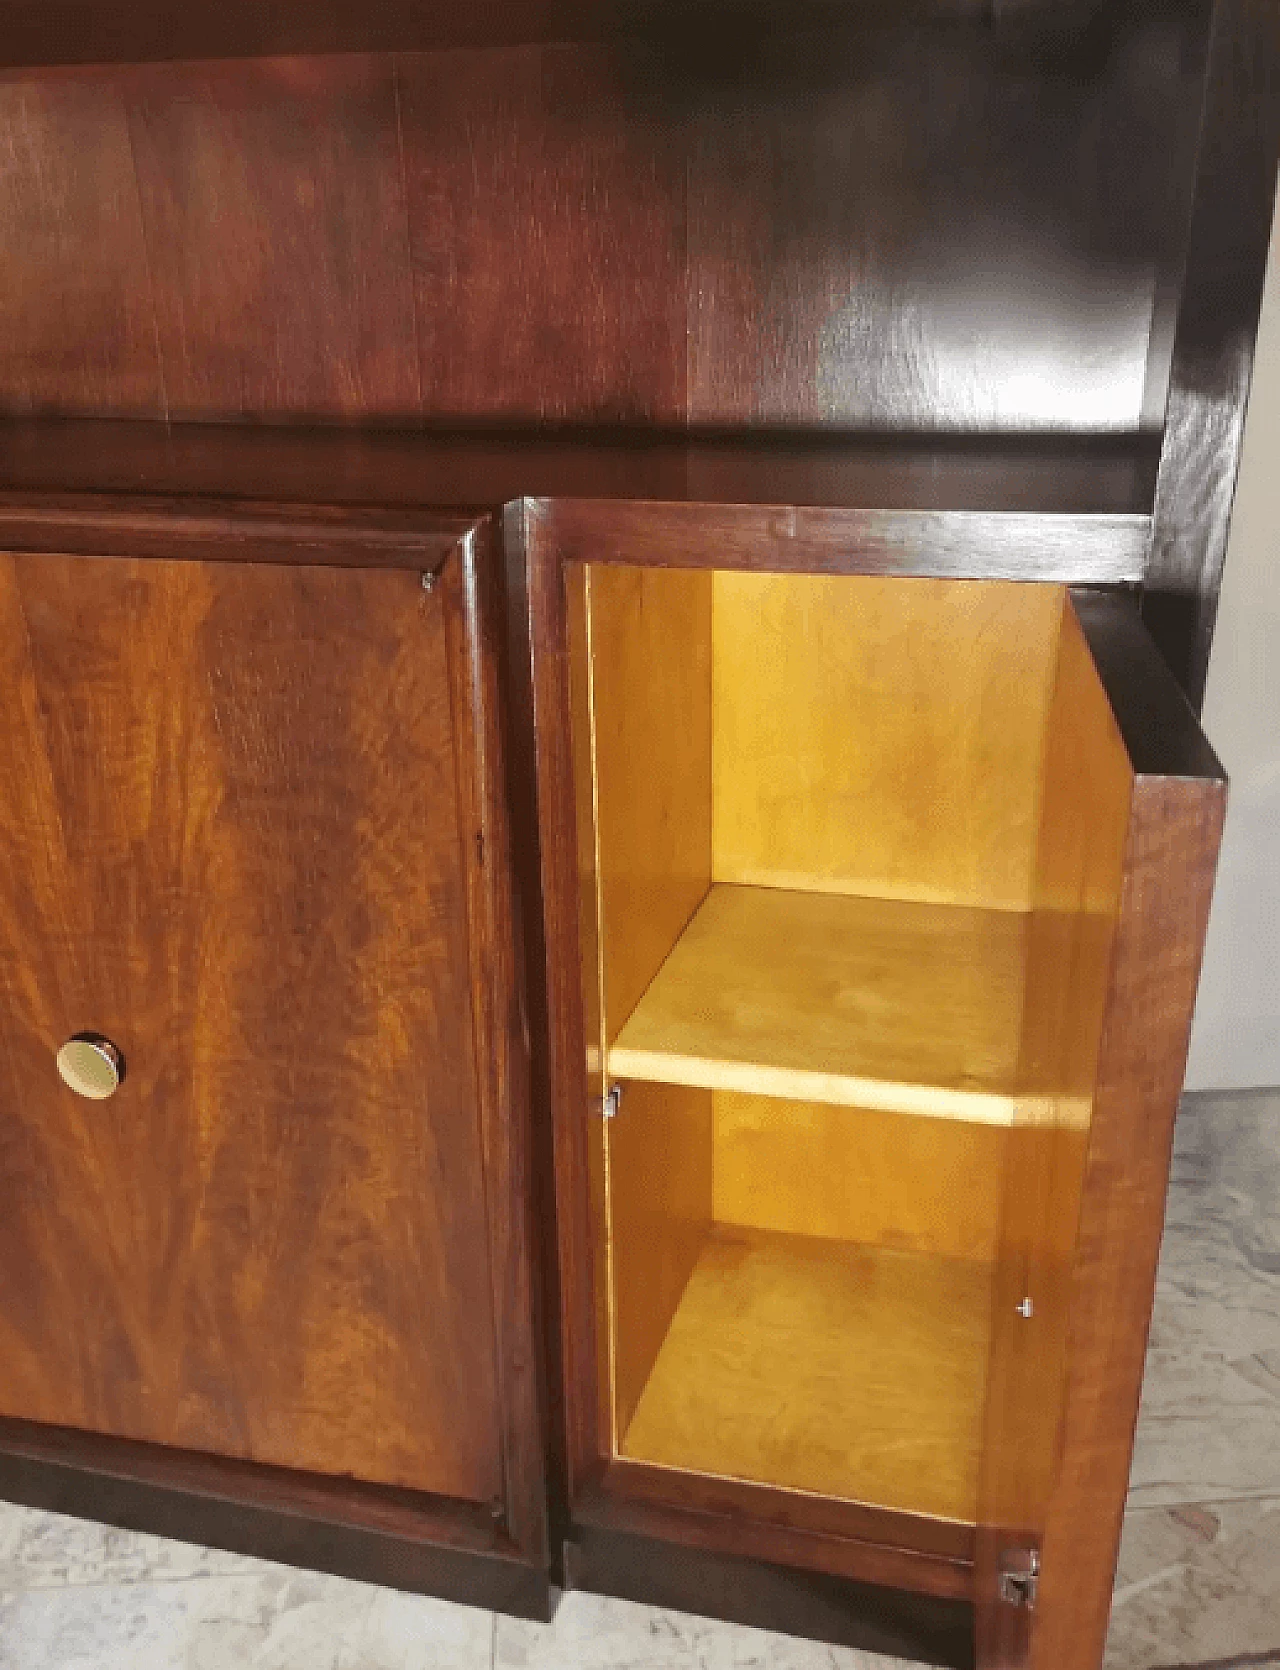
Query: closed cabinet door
[249, 871]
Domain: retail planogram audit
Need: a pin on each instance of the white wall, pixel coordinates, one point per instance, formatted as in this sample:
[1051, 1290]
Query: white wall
[1236, 1041]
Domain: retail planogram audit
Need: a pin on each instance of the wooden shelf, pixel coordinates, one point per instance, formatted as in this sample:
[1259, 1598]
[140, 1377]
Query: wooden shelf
[821, 997]
[1077, 477]
[848, 1371]
[1073, 510]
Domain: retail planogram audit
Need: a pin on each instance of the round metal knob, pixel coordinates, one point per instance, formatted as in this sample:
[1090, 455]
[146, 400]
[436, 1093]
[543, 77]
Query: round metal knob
[91, 1066]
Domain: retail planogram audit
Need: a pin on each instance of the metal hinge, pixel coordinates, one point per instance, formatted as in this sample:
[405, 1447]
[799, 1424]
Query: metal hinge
[1020, 1577]
[610, 1104]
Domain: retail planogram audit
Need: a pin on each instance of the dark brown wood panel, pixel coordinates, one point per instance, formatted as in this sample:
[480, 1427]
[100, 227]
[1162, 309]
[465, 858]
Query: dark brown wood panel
[482, 468]
[77, 324]
[547, 204]
[934, 228]
[1212, 362]
[233, 845]
[274, 206]
[94, 31]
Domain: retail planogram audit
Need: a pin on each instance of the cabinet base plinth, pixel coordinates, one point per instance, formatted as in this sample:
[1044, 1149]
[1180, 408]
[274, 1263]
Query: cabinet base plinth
[425, 1545]
[763, 1596]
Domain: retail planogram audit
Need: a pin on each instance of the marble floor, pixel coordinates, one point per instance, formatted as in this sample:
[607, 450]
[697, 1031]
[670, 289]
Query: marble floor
[1199, 1579]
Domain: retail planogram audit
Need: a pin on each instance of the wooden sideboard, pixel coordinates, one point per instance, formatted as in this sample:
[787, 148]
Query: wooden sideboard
[606, 841]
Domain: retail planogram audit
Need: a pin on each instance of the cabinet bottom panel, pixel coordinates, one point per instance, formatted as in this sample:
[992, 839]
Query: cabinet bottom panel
[375, 1534]
[816, 1365]
[895, 1622]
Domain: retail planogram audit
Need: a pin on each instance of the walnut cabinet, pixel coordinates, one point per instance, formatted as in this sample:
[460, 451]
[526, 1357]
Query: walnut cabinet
[604, 839]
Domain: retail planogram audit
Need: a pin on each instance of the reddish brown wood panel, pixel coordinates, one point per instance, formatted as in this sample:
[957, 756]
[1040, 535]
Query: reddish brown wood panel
[1169, 869]
[274, 205]
[77, 328]
[231, 824]
[547, 202]
[932, 227]
[1108, 1280]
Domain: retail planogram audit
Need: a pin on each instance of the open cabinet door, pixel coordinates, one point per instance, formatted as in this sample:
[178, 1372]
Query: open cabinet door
[1131, 823]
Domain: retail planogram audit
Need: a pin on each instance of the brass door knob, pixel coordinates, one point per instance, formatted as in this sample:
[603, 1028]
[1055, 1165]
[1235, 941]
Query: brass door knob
[91, 1066]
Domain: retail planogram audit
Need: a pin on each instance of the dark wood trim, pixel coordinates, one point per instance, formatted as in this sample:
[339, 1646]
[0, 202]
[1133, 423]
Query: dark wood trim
[543, 644]
[45, 32]
[1175, 828]
[209, 530]
[1157, 723]
[394, 1537]
[485, 467]
[1213, 348]
[944, 1539]
[471, 587]
[874, 1618]
[845, 1539]
[526, 846]
[1076, 550]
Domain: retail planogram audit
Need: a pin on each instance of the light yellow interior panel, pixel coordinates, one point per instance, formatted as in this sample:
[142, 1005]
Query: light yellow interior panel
[880, 736]
[650, 654]
[884, 1179]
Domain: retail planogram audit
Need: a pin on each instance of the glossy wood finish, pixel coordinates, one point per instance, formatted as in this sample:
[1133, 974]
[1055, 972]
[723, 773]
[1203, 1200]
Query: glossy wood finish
[248, 180]
[1212, 353]
[719, 226]
[1094, 550]
[369, 1532]
[1170, 850]
[69, 201]
[275, 942]
[227, 530]
[1079, 479]
[747, 290]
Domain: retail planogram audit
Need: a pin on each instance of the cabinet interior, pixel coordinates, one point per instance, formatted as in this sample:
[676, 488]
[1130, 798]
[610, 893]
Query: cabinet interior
[853, 853]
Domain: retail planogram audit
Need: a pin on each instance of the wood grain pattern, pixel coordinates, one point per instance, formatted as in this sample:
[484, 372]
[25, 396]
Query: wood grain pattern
[227, 530]
[879, 736]
[278, 237]
[1084, 816]
[847, 1371]
[959, 545]
[77, 325]
[1171, 848]
[548, 237]
[272, 1243]
[472, 602]
[651, 678]
[883, 1179]
[926, 228]
[825, 997]
[1212, 355]
[660, 1209]
[1030, 478]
